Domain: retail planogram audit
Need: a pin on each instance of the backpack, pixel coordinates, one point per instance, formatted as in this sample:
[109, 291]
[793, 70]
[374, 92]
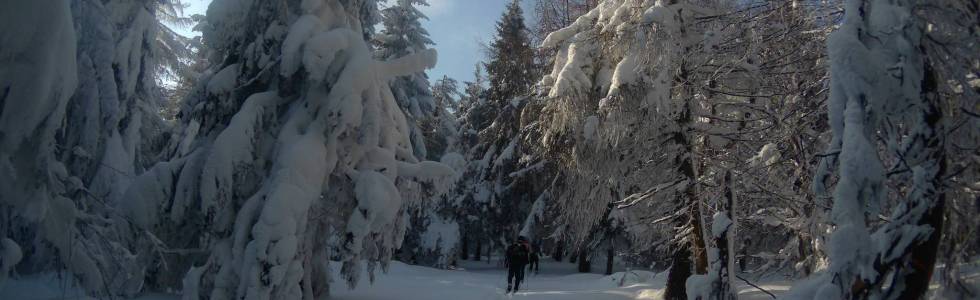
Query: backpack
[518, 254]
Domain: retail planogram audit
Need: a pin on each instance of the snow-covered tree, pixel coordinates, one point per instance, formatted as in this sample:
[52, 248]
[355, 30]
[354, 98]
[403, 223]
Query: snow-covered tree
[552, 15]
[604, 73]
[949, 46]
[402, 35]
[888, 149]
[38, 75]
[293, 152]
[501, 180]
[649, 108]
[100, 60]
[671, 134]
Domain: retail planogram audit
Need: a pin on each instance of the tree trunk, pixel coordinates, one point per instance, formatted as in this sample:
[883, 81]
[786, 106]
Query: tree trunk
[476, 256]
[697, 241]
[725, 240]
[559, 252]
[464, 251]
[680, 270]
[921, 258]
[691, 254]
[690, 194]
[610, 255]
[584, 265]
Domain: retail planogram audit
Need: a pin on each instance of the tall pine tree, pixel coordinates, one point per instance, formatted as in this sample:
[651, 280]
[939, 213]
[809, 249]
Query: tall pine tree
[511, 67]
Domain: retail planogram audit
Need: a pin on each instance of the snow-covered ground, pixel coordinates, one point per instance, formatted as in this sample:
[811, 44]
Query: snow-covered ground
[473, 281]
[480, 280]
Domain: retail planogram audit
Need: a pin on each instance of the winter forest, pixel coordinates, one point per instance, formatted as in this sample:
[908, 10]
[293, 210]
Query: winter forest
[633, 149]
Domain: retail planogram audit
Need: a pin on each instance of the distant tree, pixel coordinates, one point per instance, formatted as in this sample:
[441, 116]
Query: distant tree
[511, 70]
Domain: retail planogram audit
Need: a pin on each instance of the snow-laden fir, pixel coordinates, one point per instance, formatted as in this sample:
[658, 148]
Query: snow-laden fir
[688, 149]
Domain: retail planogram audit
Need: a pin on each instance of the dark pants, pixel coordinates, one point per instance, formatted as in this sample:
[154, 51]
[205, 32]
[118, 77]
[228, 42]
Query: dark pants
[534, 265]
[516, 274]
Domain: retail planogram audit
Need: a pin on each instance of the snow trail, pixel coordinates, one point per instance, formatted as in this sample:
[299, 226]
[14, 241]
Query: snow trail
[480, 280]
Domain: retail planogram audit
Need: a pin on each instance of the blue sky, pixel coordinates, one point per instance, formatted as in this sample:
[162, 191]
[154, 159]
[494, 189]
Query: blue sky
[458, 27]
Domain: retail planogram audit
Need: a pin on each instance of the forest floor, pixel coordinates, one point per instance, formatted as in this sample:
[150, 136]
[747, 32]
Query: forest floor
[472, 281]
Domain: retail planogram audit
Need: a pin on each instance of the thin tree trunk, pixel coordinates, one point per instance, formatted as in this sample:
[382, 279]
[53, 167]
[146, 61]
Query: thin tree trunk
[476, 256]
[690, 194]
[725, 241]
[559, 252]
[584, 265]
[610, 255]
[922, 256]
[695, 252]
[464, 248]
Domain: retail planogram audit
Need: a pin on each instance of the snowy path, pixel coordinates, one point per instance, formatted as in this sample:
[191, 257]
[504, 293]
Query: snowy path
[486, 281]
[411, 282]
[477, 281]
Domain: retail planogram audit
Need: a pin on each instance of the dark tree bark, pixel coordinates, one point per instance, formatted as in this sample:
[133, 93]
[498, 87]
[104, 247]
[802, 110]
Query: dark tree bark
[464, 250]
[680, 270]
[722, 289]
[610, 255]
[915, 268]
[584, 265]
[695, 252]
[476, 256]
[559, 252]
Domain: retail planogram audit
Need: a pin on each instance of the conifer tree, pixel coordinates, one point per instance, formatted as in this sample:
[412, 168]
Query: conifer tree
[403, 35]
[511, 67]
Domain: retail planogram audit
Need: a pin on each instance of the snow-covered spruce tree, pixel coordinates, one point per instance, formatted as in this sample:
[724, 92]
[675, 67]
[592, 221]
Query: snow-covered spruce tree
[884, 109]
[293, 153]
[511, 70]
[433, 236]
[502, 179]
[403, 35]
[442, 129]
[113, 127]
[38, 75]
[92, 144]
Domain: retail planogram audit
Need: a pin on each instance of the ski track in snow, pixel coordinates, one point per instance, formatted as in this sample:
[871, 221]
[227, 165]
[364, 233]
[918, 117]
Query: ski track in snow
[474, 281]
[480, 280]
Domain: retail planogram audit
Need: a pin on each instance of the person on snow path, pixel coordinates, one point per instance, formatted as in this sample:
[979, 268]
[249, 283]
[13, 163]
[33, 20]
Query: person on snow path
[535, 260]
[517, 257]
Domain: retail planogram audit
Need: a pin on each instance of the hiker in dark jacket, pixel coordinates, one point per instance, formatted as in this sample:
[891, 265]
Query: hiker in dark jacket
[517, 256]
[535, 260]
